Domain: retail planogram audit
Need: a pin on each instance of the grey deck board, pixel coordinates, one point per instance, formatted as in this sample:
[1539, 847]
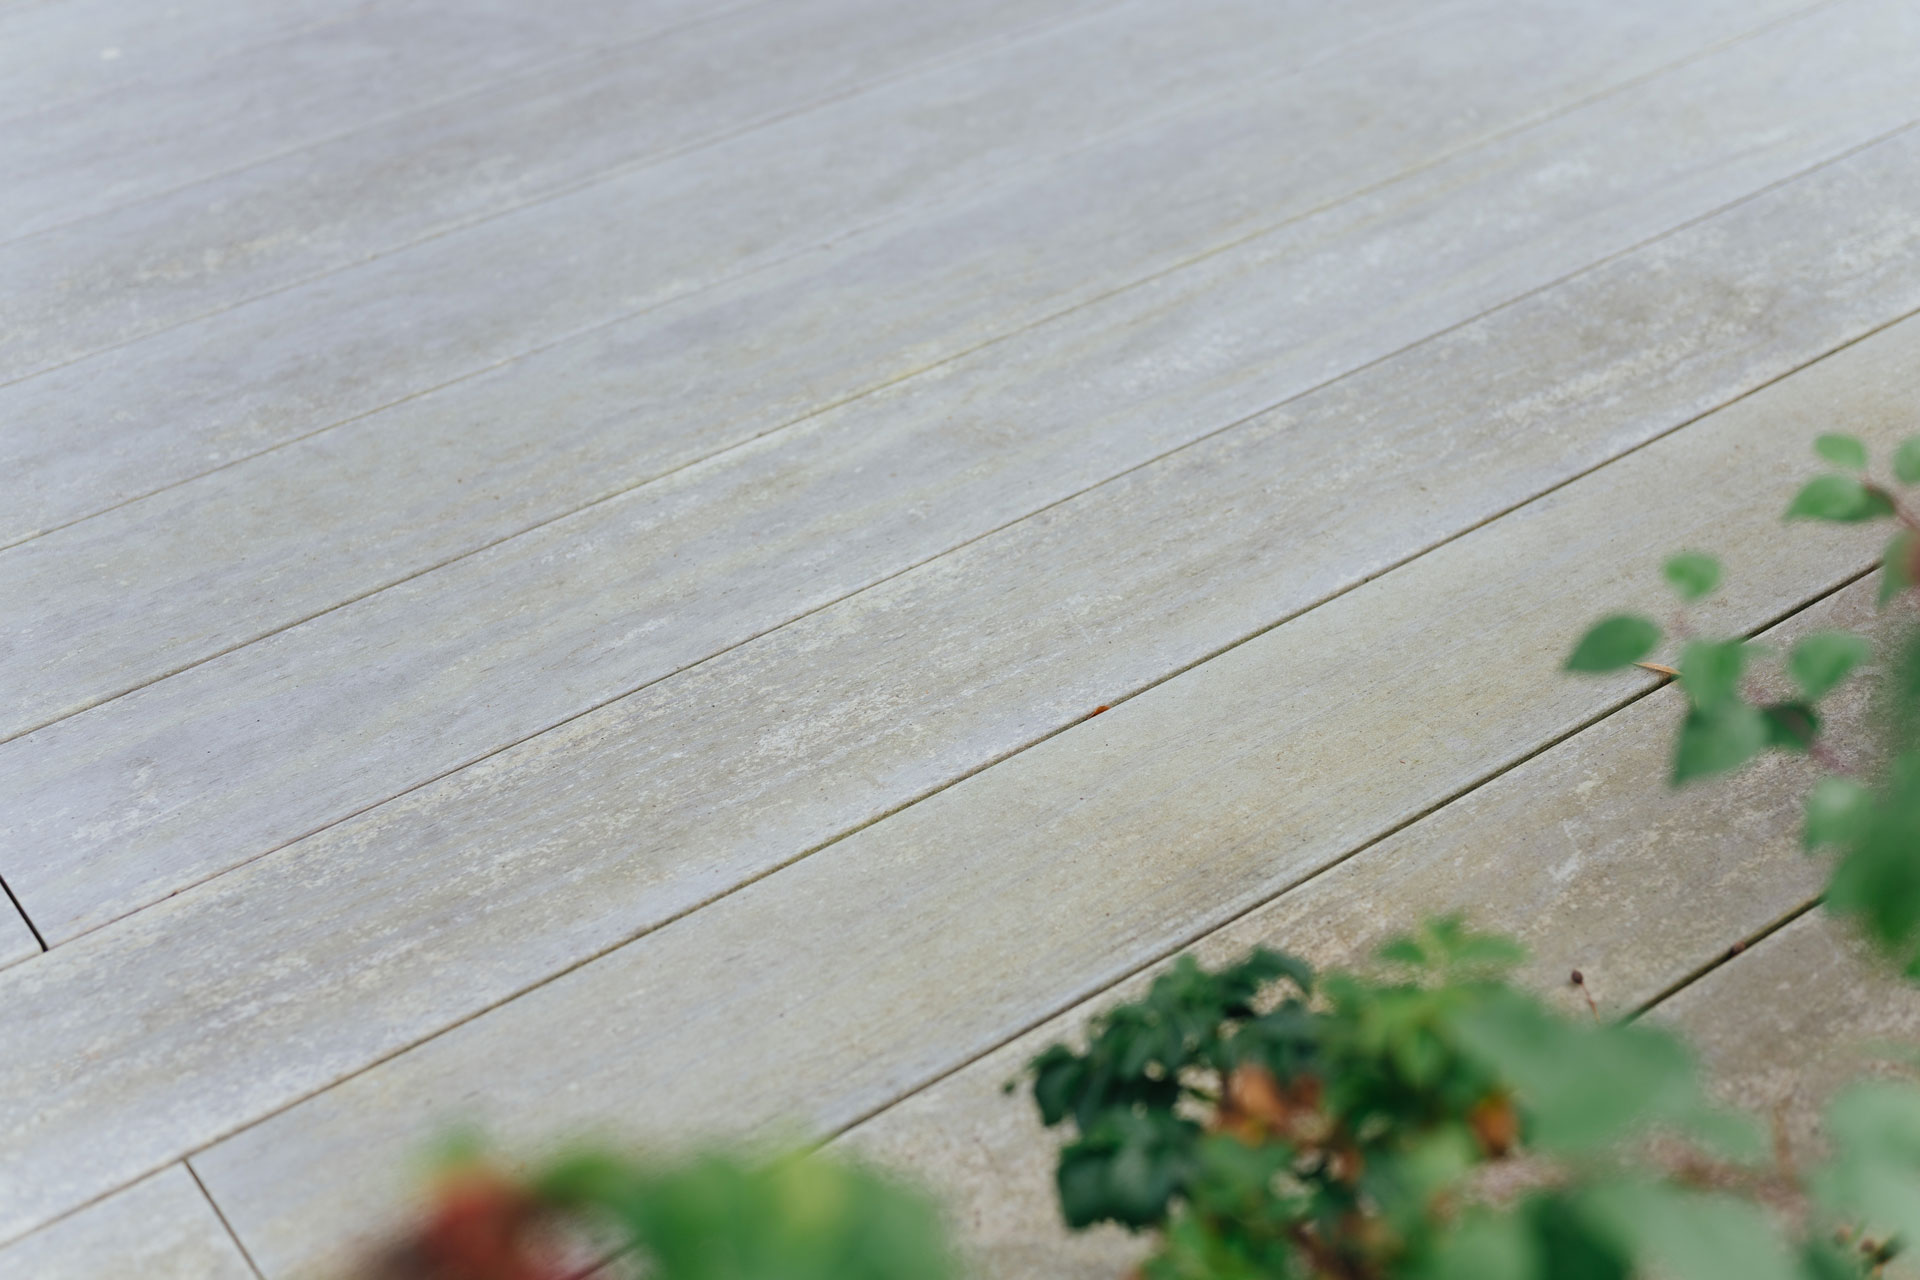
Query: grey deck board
[104, 281]
[237, 756]
[909, 947]
[175, 127]
[214, 244]
[55, 50]
[16, 939]
[204, 765]
[341, 348]
[160, 1228]
[523, 616]
[1583, 853]
[1797, 1018]
[341, 917]
[427, 459]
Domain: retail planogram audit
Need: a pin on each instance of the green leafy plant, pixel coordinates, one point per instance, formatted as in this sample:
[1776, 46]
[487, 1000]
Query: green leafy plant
[1435, 1123]
[710, 1217]
[1870, 824]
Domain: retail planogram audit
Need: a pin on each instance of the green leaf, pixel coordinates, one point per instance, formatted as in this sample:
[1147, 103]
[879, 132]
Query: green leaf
[1710, 672]
[1484, 1245]
[722, 1217]
[1718, 741]
[1791, 726]
[1402, 950]
[1838, 810]
[1126, 1169]
[1822, 660]
[1058, 1075]
[1823, 1259]
[1842, 451]
[1875, 1170]
[1619, 641]
[1877, 879]
[1264, 964]
[1573, 1249]
[1689, 1235]
[1842, 499]
[1692, 574]
[1896, 566]
[1906, 461]
[1584, 1087]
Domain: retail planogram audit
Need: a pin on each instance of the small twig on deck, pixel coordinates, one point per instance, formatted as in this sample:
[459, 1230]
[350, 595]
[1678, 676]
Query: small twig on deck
[1580, 980]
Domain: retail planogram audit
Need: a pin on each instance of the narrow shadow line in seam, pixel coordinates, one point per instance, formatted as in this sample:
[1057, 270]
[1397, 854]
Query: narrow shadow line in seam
[1739, 948]
[24, 917]
[221, 1214]
[1653, 684]
[1195, 937]
[1521, 125]
[982, 45]
[749, 441]
[579, 56]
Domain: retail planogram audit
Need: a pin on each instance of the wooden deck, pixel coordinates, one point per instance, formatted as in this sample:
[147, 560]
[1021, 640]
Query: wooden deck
[557, 558]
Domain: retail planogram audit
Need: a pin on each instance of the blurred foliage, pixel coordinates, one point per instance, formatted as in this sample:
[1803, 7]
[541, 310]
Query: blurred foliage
[1870, 824]
[709, 1217]
[1429, 1121]
[1435, 1123]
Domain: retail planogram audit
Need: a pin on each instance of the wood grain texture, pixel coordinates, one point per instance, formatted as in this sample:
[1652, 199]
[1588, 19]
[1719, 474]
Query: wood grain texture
[178, 781]
[160, 1228]
[234, 1000]
[1011, 136]
[286, 365]
[142, 268]
[1582, 852]
[16, 939]
[911, 946]
[51, 52]
[1795, 1019]
[181, 125]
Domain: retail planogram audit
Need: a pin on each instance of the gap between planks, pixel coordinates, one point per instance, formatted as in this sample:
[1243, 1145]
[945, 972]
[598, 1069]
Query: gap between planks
[572, 335]
[550, 726]
[244, 1168]
[579, 55]
[1069, 14]
[992, 1159]
[1074, 11]
[1495, 513]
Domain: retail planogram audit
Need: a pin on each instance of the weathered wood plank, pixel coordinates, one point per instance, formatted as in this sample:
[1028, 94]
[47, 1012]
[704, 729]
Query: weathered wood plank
[1090, 221]
[50, 52]
[16, 939]
[495, 887]
[140, 269]
[175, 127]
[160, 1228]
[1582, 852]
[1795, 1019]
[576, 261]
[181, 780]
[909, 947]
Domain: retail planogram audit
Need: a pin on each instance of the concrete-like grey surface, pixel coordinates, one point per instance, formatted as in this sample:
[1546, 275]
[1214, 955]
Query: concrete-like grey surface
[160, 1228]
[556, 576]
